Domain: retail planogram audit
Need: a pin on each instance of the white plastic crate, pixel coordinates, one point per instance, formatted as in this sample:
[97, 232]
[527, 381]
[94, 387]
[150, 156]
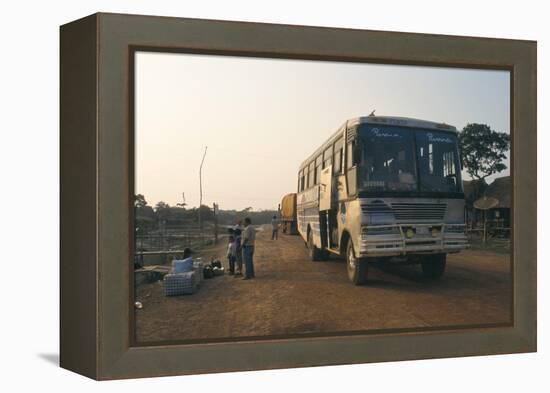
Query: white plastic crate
[180, 284]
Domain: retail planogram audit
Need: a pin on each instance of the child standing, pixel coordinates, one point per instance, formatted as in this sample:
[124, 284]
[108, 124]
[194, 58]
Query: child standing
[231, 254]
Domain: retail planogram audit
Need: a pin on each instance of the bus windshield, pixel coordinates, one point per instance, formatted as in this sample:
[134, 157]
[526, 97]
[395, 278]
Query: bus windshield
[406, 159]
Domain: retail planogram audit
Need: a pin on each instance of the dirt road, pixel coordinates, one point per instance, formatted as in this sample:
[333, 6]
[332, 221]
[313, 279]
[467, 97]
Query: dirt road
[292, 295]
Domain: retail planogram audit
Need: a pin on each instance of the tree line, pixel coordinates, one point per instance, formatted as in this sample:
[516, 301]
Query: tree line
[151, 217]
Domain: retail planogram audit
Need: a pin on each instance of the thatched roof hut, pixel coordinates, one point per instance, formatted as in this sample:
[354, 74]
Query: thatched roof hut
[472, 190]
[501, 189]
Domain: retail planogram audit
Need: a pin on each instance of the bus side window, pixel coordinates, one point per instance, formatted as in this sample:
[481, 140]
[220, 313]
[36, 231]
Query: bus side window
[314, 176]
[338, 161]
[338, 150]
[318, 168]
[311, 181]
[327, 157]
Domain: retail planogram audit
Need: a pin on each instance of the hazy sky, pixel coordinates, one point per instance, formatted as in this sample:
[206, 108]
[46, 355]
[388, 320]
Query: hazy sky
[260, 118]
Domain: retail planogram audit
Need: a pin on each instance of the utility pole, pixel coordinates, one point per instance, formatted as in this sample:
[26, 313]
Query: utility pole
[200, 192]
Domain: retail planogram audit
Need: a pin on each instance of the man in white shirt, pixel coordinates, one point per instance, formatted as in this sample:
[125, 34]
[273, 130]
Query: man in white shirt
[248, 239]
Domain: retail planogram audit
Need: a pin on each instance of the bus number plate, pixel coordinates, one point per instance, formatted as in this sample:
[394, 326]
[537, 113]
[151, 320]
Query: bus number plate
[422, 231]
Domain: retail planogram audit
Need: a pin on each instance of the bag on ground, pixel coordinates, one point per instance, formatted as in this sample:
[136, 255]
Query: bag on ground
[208, 272]
[217, 263]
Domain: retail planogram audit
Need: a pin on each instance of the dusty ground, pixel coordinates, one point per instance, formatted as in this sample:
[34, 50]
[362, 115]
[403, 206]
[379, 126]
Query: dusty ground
[292, 295]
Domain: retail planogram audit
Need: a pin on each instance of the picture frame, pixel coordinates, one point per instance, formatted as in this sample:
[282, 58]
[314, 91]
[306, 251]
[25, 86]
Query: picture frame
[96, 195]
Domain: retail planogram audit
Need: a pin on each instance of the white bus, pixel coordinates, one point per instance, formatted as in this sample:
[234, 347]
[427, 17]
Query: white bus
[380, 188]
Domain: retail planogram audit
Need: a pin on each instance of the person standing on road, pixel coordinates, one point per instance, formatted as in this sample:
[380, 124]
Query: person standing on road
[274, 228]
[237, 231]
[248, 240]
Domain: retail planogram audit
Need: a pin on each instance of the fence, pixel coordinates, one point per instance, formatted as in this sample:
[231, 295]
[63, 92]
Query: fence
[161, 242]
[153, 247]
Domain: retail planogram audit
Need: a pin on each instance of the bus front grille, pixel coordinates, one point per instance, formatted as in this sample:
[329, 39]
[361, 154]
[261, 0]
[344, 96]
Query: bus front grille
[419, 211]
[376, 207]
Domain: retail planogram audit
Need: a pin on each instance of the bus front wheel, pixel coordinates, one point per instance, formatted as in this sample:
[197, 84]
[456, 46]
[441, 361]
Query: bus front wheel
[433, 266]
[357, 267]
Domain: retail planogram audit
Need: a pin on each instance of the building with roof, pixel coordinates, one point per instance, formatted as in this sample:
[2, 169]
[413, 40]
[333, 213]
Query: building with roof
[500, 189]
[497, 217]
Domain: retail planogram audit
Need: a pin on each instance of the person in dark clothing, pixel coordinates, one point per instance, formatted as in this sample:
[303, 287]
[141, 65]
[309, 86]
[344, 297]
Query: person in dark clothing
[237, 231]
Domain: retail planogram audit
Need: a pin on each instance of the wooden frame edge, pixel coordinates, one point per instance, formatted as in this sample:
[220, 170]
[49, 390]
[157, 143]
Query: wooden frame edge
[117, 33]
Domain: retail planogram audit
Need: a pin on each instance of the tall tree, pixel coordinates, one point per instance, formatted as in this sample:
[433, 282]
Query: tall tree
[206, 213]
[162, 209]
[161, 205]
[139, 201]
[483, 150]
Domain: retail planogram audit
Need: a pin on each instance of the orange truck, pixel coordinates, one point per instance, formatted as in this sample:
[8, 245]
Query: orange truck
[288, 214]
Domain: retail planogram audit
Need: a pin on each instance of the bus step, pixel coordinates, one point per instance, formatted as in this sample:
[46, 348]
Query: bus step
[333, 251]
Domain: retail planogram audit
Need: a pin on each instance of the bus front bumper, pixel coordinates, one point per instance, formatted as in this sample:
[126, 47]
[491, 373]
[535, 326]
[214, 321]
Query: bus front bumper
[398, 243]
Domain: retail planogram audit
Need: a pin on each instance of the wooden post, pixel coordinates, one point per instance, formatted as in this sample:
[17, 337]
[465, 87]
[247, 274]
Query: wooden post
[484, 226]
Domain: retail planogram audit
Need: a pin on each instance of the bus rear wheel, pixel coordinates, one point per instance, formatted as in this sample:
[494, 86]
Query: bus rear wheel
[433, 266]
[357, 267]
[315, 254]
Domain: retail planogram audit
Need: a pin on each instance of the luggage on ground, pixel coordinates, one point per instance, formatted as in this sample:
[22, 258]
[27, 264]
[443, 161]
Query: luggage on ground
[216, 263]
[180, 283]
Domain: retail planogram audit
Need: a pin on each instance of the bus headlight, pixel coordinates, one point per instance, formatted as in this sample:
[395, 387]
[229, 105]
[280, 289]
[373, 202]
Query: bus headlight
[379, 230]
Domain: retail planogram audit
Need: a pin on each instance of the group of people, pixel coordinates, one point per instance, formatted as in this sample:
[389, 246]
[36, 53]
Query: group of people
[241, 249]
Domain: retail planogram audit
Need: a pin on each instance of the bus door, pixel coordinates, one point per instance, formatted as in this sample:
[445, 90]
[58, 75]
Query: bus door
[325, 204]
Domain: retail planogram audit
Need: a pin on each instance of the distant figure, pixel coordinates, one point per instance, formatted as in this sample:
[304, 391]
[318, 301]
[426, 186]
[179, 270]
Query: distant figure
[231, 254]
[248, 239]
[274, 228]
[237, 231]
